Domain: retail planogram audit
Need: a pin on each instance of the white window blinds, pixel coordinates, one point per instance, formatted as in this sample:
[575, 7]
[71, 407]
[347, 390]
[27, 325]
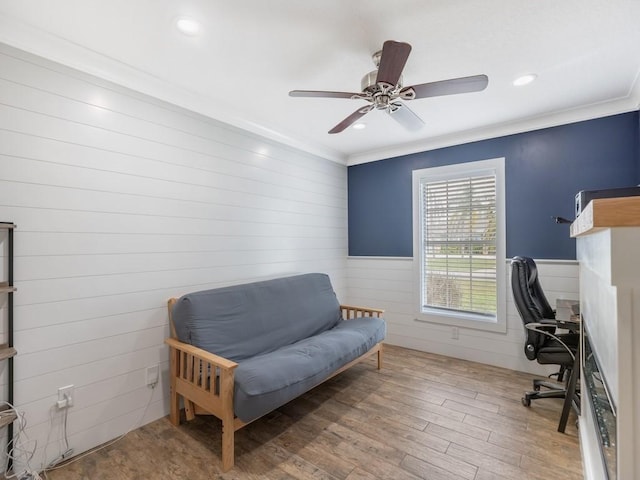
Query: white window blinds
[459, 244]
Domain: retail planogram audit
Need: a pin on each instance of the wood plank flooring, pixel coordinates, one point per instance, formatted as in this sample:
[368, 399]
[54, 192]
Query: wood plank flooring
[423, 416]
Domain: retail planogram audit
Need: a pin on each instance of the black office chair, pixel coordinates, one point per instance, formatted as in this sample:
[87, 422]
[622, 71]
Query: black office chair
[542, 343]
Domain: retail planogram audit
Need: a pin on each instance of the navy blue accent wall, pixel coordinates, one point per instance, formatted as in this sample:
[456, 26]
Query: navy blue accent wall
[638, 149]
[544, 169]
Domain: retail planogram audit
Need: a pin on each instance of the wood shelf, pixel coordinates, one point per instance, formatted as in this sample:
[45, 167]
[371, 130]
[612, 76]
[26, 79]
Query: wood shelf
[7, 226]
[7, 352]
[6, 416]
[606, 213]
[6, 288]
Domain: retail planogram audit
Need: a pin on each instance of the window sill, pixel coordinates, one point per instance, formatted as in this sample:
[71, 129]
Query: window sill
[463, 320]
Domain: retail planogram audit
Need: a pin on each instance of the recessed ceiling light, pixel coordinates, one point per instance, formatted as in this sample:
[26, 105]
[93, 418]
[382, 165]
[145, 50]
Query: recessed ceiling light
[525, 79]
[188, 26]
[359, 126]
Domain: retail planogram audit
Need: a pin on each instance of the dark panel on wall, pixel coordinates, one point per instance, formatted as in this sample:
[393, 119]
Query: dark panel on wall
[638, 152]
[544, 169]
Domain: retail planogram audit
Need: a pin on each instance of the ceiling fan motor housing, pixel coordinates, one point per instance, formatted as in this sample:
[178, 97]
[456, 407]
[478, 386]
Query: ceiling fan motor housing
[368, 83]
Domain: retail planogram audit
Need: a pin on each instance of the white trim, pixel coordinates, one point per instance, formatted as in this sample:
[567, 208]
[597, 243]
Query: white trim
[565, 117]
[373, 257]
[495, 166]
[634, 91]
[551, 261]
[56, 49]
[25, 37]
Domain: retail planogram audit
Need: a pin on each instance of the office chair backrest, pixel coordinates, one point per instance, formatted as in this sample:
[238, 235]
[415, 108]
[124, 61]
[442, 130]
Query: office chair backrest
[530, 301]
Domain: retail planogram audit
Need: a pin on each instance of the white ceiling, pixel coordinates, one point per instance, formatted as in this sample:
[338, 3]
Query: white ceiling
[251, 53]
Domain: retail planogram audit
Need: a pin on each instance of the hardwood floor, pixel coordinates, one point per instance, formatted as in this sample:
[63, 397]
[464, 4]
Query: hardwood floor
[422, 416]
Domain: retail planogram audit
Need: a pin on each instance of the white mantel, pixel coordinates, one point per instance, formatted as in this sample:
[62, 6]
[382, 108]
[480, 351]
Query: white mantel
[608, 251]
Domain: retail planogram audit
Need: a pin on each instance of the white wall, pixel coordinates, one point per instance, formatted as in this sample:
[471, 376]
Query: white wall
[122, 201]
[388, 283]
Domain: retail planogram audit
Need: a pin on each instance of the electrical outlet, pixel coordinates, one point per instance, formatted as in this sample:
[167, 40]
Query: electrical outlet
[454, 333]
[153, 373]
[65, 396]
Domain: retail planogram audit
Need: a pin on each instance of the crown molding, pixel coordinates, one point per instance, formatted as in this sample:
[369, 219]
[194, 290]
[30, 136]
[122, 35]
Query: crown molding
[52, 48]
[634, 91]
[56, 49]
[564, 117]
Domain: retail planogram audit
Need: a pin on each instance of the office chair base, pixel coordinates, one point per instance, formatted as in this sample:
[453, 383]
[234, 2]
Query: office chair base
[555, 390]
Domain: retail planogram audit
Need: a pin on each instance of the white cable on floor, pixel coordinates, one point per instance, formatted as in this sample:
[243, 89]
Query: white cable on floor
[108, 444]
[19, 447]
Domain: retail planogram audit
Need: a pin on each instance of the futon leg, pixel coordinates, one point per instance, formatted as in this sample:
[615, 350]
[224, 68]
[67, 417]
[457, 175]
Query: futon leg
[228, 431]
[174, 400]
[380, 358]
[189, 410]
[174, 407]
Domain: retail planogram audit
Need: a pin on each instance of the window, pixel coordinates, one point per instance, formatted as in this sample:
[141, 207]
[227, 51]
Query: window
[459, 244]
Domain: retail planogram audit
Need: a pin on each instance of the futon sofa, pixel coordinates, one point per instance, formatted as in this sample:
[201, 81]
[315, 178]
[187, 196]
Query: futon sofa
[242, 351]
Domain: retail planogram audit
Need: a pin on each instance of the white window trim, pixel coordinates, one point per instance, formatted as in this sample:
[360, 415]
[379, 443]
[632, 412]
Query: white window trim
[461, 319]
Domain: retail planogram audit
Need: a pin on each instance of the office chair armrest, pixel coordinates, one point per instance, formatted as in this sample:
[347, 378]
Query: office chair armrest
[549, 321]
[566, 324]
[538, 327]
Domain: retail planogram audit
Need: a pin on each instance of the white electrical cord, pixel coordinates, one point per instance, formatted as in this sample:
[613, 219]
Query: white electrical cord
[67, 451]
[64, 463]
[19, 447]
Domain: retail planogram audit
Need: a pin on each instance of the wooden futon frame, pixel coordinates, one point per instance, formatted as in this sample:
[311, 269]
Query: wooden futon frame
[206, 381]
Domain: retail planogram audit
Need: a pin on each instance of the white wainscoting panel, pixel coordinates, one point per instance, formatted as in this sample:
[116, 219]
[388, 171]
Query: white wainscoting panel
[389, 283]
[122, 201]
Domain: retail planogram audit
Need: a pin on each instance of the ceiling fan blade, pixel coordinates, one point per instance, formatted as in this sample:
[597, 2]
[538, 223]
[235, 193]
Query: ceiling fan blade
[406, 117]
[323, 94]
[453, 86]
[392, 62]
[351, 119]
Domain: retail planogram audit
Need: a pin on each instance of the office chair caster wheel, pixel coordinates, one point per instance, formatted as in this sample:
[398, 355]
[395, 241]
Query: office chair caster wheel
[526, 401]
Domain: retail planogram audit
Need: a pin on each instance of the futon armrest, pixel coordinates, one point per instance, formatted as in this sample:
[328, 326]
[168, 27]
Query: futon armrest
[351, 311]
[209, 357]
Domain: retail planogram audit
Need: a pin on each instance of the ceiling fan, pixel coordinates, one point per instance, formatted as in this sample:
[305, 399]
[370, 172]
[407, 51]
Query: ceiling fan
[383, 89]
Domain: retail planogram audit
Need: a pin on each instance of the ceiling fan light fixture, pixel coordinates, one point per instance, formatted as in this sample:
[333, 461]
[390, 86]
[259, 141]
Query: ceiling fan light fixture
[188, 26]
[523, 80]
[359, 126]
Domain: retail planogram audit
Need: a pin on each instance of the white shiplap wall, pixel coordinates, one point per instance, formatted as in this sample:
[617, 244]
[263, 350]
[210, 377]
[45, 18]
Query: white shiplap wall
[389, 283]
[121, 202]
